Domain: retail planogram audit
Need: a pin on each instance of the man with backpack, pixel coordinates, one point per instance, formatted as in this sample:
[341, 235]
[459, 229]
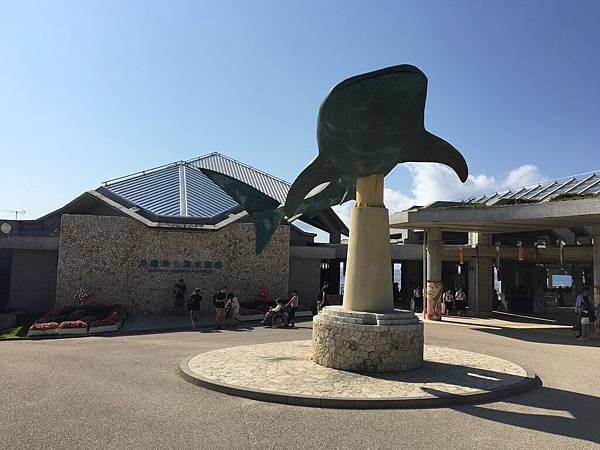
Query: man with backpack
[193, 306]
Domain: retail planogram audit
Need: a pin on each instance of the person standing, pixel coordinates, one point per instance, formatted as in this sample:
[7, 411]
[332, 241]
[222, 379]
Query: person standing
[193, 306]
[233, 307]
[460, 300]
[448, 299]
[219, 301]
[322, 300]
[417, 305]
[292, 304]
[588, 317]
[179, 291]
[584, 301]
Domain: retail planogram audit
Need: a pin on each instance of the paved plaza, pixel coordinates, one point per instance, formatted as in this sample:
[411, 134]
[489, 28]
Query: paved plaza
[284, 372]
[125, 392]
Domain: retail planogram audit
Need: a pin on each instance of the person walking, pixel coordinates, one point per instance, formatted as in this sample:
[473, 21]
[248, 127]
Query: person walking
[219, 301]
[193, 306]
[322, 300]
[292, 304]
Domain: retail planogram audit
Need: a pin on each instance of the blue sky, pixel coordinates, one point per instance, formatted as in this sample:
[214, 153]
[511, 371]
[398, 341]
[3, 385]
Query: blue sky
[94, 90]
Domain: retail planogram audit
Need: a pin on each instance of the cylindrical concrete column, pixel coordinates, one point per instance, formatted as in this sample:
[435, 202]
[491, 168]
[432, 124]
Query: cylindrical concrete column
[596, 258]
[368, 284]
[434, 269]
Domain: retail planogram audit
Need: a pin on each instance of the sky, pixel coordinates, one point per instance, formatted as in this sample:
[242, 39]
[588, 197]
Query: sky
[91, 91]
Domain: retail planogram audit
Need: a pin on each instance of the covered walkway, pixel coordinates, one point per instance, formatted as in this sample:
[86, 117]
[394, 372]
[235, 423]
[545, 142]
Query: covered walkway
[519, 250]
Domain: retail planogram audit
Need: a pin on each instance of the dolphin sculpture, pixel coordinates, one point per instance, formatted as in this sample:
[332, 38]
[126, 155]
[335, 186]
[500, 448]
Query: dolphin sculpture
[367, 124]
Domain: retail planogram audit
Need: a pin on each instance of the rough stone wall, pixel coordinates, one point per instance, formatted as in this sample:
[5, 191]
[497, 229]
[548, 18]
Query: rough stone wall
[347, 340]
[119, 260]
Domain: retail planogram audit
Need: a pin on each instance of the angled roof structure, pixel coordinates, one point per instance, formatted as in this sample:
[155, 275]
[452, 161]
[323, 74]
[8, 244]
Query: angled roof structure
[180, 193]
[583, 184]
[563, 203]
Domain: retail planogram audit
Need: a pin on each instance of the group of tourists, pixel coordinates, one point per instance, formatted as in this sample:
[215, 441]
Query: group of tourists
[585, 311]
[225, 302]
[454, 301]
[451, 301]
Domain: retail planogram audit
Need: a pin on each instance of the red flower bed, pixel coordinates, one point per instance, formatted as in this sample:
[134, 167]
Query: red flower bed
[73, 324]
[94, 314]
[44, 326]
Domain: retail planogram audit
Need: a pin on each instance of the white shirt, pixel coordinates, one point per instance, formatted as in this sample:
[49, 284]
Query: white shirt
[235, 305]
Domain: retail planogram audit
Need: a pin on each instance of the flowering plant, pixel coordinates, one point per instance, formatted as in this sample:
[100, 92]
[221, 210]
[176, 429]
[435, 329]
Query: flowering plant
[82, 296]
[73, 324]
[44, 326]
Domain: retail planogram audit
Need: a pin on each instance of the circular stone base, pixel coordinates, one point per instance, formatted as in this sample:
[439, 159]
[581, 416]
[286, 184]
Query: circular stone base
[367, 342]
[283, 372]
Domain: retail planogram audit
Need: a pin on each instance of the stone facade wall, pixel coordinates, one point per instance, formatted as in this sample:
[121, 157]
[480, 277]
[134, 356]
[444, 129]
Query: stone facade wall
[119, 260]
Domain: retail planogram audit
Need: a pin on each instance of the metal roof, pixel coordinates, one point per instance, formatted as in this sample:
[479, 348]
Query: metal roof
[181, 190]
[267, 184]
[582, 184]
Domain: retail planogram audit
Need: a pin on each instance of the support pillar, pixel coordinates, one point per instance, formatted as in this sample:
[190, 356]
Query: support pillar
[481, 277]
[434, 270]
[366, 334]
[596, 259]
[368, 285]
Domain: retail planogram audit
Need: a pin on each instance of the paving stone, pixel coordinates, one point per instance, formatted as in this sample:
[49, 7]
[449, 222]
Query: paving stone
[284, 372]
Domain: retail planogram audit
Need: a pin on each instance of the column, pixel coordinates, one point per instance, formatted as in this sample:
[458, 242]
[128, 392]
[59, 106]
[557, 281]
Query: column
[596, 258]
[433, 289]
[369, 269]
[481, 278]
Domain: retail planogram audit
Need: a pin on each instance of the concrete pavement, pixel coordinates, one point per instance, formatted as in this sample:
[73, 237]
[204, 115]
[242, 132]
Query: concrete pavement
[124, 392]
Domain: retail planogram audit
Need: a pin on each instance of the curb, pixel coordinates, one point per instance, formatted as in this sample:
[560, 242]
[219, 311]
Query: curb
[530, 381]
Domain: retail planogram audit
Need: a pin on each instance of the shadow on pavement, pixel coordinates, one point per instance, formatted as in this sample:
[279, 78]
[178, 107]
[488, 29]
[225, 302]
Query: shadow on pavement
[561, 336]
[575, 415]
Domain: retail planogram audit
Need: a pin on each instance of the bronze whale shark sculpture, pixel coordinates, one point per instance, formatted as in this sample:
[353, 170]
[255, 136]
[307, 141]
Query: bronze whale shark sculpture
[367, 124]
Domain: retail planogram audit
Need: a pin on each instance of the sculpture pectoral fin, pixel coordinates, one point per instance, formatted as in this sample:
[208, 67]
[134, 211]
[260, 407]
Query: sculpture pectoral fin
[265, 224]
[264, 210]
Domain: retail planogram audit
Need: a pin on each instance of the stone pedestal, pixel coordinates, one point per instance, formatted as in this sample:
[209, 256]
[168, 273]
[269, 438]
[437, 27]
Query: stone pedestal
[367, 342]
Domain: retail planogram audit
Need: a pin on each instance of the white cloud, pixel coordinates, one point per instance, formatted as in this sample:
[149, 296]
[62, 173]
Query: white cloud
[433, 182]
[523, 176]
